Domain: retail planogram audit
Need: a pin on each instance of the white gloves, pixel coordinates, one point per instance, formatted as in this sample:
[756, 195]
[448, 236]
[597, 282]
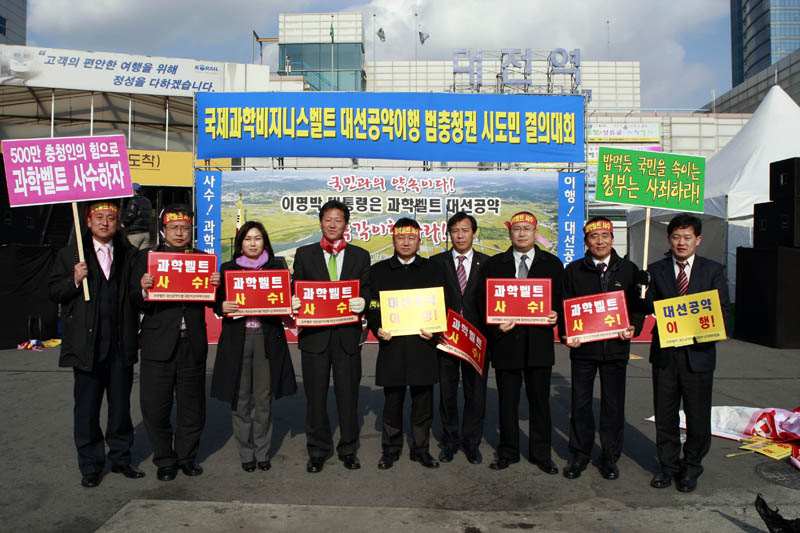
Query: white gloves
[357, 305]
[295, 304]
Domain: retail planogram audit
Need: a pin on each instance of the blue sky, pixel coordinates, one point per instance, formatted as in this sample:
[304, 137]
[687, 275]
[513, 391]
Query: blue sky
[683, 46]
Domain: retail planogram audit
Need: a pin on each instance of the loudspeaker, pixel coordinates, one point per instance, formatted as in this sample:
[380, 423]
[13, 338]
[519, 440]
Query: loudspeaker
[777, 223]
[767, 291]
[784, 179]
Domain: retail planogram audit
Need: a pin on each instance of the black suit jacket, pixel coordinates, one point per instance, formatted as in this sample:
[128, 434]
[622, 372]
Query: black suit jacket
[523, 346]
[162, 320]
[466, 304]
[309, 265]
[706, 275]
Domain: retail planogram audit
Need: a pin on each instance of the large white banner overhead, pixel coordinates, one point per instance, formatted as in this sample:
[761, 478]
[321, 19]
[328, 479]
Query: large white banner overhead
[32, 66]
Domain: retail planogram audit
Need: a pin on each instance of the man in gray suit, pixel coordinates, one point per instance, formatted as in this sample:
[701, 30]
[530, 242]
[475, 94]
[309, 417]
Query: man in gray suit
[337, 347]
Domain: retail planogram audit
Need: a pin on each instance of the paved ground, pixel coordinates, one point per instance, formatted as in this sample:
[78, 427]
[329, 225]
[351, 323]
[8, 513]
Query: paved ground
[42, 489]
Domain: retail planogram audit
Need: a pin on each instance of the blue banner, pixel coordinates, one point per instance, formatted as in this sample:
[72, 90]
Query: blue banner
[570, 215]
[416, 126]
[208, 192]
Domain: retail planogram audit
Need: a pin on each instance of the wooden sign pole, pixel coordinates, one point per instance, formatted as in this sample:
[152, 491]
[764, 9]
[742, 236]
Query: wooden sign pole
[646, 247]
[79, 243]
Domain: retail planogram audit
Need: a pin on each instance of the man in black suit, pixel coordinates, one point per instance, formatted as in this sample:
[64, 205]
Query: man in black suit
[404, 360]
[461, 267]
[600, 270]
[687, 372]
[524, 351]
[337, 347]
[174, 350]
[99, 341]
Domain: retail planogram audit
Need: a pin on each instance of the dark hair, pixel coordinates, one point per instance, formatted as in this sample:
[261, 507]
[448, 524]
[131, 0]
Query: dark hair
[405, 221]
[685, 220]
[175, 208]
[247, 226]
[335, 204]
[458, 217]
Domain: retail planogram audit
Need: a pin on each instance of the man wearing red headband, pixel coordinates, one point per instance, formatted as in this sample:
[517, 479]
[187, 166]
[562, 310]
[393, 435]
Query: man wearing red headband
[408, 360]
[337, 347]
[522, 352]
[601, 270]
[174, 349]
[99, 341]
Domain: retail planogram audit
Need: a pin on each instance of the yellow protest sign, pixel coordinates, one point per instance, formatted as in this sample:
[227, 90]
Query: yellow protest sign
[770, 448]
[683, 319]
[407, 311]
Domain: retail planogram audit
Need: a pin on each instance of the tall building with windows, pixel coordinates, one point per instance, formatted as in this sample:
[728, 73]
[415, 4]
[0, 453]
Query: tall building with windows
[13, 16]
[762, 33]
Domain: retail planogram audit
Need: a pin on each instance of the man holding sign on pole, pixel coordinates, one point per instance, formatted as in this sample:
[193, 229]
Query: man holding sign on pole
[408, 360]
[174, 349]
[99, 340]
[332, 347]
[524, 352]
[601, 270]
[684, 373]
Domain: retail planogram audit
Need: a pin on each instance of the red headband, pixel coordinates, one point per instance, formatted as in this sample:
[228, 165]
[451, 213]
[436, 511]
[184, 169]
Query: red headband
[174, 216]
[598, 225]
[405, 230]
[101, 206]
[521, 218]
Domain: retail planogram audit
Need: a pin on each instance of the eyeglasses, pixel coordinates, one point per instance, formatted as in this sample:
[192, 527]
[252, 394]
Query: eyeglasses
[179, 227]
[522, 229]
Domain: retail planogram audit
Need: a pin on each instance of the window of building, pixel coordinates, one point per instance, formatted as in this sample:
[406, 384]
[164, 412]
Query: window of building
[3, 26]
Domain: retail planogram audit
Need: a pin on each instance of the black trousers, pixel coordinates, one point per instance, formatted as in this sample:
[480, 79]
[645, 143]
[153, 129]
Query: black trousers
[612, 408]
[346, 380]
[114, 379]
[421, 418]
[184, 377]
[451, 371]
[537, 389]
[672, 384]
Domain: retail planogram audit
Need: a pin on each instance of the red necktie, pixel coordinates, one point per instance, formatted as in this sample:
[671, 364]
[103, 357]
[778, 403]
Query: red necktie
[683, 281]
[461, 273]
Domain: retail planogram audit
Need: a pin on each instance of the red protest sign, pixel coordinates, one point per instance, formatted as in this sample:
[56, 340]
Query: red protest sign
[326, 303]
[181, 276]
[595, 317]
[527, 301]
[463, 340]
[259, 292]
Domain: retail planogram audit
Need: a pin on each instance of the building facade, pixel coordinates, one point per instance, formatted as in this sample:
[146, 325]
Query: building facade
[762, 33]
[13, 20]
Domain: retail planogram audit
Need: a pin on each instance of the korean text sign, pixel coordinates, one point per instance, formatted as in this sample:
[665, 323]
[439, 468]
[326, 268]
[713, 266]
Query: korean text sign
[683, 319]
[650, 179]
[66, 169]
[571, 197]
[326, 303]
[259, 292]
[596, 317]
[405, 312]
[420, 126]
[463, 340]
[208, 191]
[180, 276]
[527, 301]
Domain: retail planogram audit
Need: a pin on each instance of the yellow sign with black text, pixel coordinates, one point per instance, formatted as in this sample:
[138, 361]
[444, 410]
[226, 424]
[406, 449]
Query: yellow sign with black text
[406, 312]
[683, 319]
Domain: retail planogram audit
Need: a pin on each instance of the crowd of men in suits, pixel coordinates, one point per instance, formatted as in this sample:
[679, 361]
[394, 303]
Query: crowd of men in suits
[101, 338]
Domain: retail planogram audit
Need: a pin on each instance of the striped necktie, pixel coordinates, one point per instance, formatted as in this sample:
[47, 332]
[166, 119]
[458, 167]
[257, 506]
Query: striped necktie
[683, 281]
[461, 273]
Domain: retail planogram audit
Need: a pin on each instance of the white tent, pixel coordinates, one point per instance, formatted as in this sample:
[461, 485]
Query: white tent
[736, 178]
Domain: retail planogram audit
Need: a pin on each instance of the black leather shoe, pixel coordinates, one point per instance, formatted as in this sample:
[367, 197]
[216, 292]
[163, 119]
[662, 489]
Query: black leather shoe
[249, 466]
[661, 480]
[191, 469]
[314, 465]
[608, 470]
[90, 481]
[264, 465]
[502, 463]
[386, 461]
[547, 466]
[425, 459]
[473, 456]
[574, 468]
[446, 455]
[166, 473]
[350, 461]
[128, 471]
[686, 484]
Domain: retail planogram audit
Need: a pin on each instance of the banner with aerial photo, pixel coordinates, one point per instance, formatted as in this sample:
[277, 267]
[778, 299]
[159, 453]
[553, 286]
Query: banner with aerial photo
[287, 202]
